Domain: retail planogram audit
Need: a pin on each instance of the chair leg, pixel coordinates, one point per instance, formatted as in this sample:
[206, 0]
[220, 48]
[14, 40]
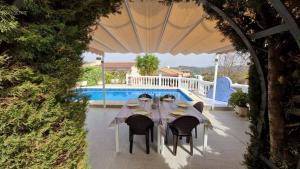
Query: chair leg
[131, 142]
[152, 134]
[188, 139]
[175, 142]
[191, 144]
[147, 143]
[196, 132]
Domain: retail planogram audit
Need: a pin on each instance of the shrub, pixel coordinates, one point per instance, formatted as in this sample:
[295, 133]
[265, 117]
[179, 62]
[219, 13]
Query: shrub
[91, 74]
[238, 98]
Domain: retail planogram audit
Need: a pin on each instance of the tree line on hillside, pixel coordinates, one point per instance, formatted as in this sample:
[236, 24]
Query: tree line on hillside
[238, 74]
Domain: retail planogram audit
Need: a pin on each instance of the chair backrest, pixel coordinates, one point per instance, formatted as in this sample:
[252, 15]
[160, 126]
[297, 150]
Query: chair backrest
[145, 95]
[168, 96]
[139, 124]
[199, 106]
[185, 124]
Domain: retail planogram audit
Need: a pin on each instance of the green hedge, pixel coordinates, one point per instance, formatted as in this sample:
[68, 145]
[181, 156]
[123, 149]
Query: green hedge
[91, 74]
[257, 146]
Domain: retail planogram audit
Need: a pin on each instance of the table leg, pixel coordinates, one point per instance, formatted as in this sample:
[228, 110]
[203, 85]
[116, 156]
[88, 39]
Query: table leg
[205, 137]
[158, 139]
[117, 138]
[162, 143]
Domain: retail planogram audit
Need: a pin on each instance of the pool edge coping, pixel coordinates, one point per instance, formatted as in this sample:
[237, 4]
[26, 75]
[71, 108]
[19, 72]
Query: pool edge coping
[116, 104]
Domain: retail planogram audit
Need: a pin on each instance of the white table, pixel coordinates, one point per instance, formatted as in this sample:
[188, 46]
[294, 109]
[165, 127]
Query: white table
[160, 117]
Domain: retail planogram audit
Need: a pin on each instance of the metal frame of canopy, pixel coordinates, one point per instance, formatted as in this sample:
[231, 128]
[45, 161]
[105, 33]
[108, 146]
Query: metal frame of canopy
[101, 57]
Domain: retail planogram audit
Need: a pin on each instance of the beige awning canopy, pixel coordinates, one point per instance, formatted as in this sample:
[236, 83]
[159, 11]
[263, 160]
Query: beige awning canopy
[151, 27]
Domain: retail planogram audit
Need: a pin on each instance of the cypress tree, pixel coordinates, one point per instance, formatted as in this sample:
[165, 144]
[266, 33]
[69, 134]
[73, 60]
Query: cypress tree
[40, 47]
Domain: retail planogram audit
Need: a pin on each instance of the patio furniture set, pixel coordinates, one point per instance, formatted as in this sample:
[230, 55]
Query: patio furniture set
[166, 114]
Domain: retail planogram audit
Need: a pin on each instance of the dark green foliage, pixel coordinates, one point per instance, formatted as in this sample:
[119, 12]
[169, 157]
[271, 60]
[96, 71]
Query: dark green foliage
[238, 98]
[91, 74]
[257, 144]
[40, 47]
[115, 77]
[254, 93]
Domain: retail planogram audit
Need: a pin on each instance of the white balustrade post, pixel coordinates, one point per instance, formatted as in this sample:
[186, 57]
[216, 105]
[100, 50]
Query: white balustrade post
[200, 78]
[127, 79]
[179, 81]
[159, 80]
[140, 81]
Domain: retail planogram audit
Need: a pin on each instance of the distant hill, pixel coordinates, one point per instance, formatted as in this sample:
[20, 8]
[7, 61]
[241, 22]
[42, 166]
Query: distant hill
[208, 72]
[200, 70]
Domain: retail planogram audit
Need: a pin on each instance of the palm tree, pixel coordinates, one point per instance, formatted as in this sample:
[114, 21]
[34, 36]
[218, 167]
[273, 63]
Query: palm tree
[147, 64]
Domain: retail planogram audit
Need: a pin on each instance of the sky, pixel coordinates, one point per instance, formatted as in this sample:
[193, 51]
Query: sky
[198, 60]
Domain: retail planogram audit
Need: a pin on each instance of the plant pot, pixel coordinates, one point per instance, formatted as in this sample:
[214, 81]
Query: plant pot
[241, 111]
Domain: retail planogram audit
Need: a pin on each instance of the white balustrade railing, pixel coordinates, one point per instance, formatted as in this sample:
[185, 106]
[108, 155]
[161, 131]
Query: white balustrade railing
[242, 87]
[192, 84]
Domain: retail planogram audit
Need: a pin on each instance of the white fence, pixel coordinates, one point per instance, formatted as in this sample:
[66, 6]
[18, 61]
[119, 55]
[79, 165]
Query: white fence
[191, 84]
[242, 87]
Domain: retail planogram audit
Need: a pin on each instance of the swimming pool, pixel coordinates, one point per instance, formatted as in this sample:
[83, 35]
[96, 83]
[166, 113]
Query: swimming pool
[125, 94]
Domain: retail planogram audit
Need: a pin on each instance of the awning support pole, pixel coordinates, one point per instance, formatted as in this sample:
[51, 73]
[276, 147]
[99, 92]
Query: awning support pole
[103, 81]
[101, 57]
[215, 80]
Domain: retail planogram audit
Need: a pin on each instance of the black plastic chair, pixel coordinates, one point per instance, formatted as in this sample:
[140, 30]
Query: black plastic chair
[182, 127]
[167, 96]
[145, 95]
[199, 106]
[140, 125]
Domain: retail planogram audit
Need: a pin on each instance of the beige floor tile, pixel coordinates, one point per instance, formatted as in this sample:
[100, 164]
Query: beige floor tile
[226, 145]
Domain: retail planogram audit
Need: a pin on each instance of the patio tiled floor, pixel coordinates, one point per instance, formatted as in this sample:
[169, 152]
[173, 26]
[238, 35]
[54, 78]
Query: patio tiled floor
[226, 145]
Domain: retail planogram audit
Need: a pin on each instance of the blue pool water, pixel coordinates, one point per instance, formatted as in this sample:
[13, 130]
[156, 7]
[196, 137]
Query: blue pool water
[125, 94]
